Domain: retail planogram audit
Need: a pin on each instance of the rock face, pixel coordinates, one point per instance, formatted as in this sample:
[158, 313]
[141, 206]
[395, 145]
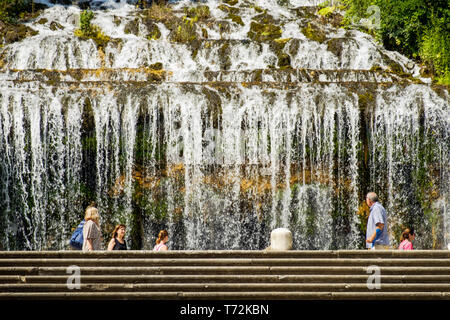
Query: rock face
[219, 122]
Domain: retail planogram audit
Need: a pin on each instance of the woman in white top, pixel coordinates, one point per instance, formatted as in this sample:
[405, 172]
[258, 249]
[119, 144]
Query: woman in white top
[163, 237]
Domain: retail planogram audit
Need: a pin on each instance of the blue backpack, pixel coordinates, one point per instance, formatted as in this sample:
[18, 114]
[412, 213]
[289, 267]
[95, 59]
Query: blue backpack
[76, 240]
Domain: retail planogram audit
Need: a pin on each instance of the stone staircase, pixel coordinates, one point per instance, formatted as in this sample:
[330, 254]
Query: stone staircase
[217, 275]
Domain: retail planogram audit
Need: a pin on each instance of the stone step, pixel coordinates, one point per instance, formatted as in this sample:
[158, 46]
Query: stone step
[225, 287]
[139, 254]
[273, 295]
[142, 75]
[342, 274]
[225, 262]
[237, 270]
[242, 278]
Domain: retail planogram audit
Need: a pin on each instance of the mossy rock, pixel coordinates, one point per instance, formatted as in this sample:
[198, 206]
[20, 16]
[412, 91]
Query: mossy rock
[55, 26]
[376, 68]
[365, 99]
[394, 66]
[335, 46]
[116, 21]
[199, 13]
[204, 33]
[214, 106]
[228, 9]
[53, 77]
[10, 33]
[284, 61]
[195, 46]
[257, 9]
[294, 46]
[183, 32]
[264, 32]
[314, 33]
[264, 18]
[231, 2]
[257, 75]
[224, 56]
[153, 31]
[156, 66]
[160, 13]
[236, 19]
[224, 27]
[132, 27]
[308, 13]
[88, 118]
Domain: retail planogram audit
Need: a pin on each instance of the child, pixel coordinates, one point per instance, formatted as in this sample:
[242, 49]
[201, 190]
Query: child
[406, 240]
[163, 237]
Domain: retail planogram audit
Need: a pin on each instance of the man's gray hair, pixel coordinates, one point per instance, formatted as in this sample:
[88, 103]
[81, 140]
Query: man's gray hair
[372, 196]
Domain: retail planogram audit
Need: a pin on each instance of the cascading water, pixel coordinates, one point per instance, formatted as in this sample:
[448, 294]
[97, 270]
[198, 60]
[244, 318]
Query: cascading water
[249, 126]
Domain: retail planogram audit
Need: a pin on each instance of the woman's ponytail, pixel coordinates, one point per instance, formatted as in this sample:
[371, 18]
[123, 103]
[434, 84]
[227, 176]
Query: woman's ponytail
[162, 234]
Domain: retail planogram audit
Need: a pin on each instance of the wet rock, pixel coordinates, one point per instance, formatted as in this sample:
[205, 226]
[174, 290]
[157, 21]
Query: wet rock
[263, 32]
[335, 46]
[132, 27]
[10, 33]
[313, 32]
[55, 25]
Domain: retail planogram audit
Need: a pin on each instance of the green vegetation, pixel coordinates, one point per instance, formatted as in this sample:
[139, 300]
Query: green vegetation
[182, 29]
[11, 10]
[314, 33]
[198, 13]
[416, 28]
[91, 31]
[185, 30]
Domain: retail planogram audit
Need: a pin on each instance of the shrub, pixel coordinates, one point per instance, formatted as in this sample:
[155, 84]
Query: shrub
[184, 31]
[416, 28]
[10, 10]
[435, 51]
[91, 31]
[160, 13]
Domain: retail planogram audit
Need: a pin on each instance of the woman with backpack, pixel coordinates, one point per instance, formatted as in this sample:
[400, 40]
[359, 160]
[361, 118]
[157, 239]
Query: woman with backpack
[92, 234]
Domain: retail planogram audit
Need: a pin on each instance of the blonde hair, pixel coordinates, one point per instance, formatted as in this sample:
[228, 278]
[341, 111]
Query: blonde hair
[162, 234]
[92, 214]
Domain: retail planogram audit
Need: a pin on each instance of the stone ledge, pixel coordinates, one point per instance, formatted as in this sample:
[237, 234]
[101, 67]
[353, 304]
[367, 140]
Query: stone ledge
[229, 295]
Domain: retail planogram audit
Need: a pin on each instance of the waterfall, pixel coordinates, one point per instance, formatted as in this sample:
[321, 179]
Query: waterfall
[219, 139]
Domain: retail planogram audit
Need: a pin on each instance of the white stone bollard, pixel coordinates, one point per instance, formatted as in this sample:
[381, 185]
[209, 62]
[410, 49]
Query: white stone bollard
[280, 239]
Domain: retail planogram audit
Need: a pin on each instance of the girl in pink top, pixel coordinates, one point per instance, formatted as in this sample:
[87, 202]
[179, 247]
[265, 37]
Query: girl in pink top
[406, 240]
[163, 237]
